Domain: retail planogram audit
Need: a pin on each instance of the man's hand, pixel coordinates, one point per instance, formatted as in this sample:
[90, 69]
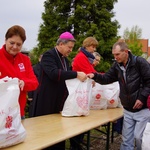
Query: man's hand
[81, 76]
[90, 75]
[93, 83]
[138, 104]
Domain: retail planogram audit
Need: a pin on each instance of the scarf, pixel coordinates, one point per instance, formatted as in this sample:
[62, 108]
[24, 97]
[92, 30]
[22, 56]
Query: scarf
[88, 55]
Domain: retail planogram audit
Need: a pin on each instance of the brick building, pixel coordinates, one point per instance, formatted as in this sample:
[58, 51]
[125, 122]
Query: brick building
[145, 46]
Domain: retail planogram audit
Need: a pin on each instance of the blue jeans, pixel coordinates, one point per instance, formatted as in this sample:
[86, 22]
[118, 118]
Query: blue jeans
[133, 127]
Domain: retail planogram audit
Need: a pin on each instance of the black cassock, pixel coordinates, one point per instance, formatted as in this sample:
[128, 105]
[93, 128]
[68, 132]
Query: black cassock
[52, 91]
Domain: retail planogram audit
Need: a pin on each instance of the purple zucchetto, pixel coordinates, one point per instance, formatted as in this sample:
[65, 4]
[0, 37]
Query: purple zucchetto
[67, 36]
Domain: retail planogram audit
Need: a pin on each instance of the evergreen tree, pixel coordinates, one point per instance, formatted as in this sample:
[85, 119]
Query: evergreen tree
[83, 18]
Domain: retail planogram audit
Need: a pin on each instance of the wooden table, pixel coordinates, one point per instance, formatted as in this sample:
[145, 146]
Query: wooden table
[48, 130]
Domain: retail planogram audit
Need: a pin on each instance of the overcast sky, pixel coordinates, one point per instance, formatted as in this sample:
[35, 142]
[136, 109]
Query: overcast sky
[27, 13]
[130, 13]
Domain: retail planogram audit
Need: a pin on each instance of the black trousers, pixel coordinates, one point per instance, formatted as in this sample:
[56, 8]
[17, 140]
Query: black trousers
[76, 141]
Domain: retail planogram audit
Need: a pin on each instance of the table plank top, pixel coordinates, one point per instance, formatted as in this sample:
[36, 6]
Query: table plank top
[44, 131]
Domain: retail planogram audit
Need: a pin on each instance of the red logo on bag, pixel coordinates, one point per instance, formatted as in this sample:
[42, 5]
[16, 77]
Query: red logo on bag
[8, 122]
[112, 101]
[98, 96]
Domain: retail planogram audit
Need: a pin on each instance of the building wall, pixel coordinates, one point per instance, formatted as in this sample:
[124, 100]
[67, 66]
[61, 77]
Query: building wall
[144, 43]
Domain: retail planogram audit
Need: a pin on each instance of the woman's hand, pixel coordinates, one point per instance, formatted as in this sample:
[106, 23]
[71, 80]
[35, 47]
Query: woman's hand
[21, 84]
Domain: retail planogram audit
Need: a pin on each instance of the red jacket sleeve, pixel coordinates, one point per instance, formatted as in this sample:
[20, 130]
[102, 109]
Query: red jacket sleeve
[81, 63]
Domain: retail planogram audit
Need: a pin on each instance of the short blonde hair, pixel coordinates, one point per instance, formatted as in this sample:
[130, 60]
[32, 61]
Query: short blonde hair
[90, 41]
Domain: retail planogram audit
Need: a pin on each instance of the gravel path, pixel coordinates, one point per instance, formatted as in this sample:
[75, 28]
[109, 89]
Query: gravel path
[100, 144]
[98, 141]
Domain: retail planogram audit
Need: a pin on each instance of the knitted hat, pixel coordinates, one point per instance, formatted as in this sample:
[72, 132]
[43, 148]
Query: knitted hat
[67, 36]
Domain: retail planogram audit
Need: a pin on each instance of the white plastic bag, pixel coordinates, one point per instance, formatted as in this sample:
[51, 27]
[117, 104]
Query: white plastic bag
[98, 101]
[105, 96]
[78, 100]
[11, 130]
[111, 93]
[146, 137]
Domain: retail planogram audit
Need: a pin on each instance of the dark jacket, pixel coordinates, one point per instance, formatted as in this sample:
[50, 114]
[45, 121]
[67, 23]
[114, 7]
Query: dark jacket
[137, 84]
[36, 69]
[33, 94]
[52, 90]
